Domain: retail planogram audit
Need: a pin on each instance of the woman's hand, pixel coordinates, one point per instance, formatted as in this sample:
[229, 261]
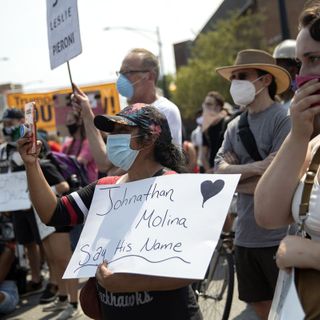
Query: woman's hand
[106, 278]
[295, 251]
[24, 145]
[305, 106]
[80, 101]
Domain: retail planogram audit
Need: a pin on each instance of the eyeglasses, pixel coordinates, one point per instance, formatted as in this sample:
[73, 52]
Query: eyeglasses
[129, 72]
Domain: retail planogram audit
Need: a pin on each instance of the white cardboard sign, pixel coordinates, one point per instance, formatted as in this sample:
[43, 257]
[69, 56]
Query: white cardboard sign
[63, 31]
[286, 303]
[162, 226]
[14, 194]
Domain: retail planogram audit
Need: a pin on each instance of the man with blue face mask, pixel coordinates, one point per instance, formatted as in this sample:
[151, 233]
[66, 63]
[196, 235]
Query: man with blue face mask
[255, 80]
[136, 81]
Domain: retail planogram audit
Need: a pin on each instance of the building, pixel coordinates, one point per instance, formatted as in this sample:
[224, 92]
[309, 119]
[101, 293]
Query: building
[281, 21]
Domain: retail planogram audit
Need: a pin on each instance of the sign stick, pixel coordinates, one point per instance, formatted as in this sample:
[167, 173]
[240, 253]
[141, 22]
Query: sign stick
[70, 76]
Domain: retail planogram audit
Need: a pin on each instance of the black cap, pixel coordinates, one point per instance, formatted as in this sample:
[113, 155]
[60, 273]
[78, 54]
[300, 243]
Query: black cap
[12, 113]
[139, 115]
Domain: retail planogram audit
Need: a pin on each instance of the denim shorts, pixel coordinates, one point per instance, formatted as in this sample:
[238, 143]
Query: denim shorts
[10, 291]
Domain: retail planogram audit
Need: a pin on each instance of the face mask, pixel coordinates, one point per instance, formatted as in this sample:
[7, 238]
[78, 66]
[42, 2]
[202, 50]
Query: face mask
[72, 128]
[199, 120]
[243, 92]
[11, 133]
[125, 87]
[119, 151]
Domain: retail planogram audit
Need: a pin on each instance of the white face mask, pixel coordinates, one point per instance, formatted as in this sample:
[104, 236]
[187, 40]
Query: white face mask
[243, 92]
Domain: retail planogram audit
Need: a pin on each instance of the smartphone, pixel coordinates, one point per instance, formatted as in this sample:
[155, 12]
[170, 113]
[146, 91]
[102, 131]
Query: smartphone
[30, 123]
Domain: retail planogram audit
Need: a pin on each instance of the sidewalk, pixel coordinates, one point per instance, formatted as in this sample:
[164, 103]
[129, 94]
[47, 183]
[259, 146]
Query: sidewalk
[30, 309]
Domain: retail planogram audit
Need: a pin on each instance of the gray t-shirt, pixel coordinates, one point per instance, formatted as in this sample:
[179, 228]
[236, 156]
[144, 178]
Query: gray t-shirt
[269, 127]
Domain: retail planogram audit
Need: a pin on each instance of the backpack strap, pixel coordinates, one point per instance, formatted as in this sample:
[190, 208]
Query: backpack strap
[308, 184]
[247, 137]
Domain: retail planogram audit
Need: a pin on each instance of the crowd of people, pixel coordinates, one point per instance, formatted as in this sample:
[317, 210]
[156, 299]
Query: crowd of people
[269, 137]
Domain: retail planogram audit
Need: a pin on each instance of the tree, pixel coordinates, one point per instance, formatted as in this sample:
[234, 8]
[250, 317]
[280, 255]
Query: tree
[211, 50]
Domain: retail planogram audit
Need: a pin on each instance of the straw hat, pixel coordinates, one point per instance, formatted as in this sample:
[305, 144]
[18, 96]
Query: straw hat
[258, 59]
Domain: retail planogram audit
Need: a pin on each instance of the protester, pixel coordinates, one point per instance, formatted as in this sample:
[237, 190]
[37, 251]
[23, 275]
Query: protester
[9, 296]
[278, 193]
[212, 126]
[285, 55]
[191, 156]
[140, 142]
[54, 142]
[255, 80]
[25, 226]
[137, 82]
[196, 139]
[78, 145]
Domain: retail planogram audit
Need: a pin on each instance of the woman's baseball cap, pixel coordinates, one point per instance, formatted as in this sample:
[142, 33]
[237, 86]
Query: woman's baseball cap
[139, 115]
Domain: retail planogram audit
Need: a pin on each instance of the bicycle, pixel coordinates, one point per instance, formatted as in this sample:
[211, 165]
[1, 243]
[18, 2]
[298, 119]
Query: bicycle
[215, 292]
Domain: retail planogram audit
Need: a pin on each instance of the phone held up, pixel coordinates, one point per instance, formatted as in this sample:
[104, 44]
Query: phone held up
[30, 128]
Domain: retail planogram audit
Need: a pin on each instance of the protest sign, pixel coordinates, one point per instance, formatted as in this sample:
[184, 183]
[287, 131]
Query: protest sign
[163, 226]
[44, 230]
[286, 303]
[103, 97]
[14, 193]
[63, 31]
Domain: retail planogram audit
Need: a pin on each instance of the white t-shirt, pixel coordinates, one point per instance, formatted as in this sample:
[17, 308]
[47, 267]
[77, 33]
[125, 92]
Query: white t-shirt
[312, 224]
[172, 113]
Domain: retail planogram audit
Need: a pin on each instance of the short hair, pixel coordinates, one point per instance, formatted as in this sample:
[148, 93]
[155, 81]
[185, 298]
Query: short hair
[217, 96]
[149, 60]
[310, 18]
[272, 88]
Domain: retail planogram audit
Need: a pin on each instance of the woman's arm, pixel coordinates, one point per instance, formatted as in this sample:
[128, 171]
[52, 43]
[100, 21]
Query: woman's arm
[126, 282]
[42, 197]
[298, 252]
[97, 145]
[275, 190]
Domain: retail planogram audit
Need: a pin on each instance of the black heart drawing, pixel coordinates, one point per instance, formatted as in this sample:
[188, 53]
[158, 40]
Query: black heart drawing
[209, 189]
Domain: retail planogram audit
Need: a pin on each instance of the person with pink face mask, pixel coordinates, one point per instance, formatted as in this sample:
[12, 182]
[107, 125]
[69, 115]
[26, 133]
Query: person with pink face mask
[255, 80]
[280, 190]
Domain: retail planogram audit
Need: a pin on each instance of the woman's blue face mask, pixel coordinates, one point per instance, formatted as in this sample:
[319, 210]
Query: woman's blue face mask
[119, 151]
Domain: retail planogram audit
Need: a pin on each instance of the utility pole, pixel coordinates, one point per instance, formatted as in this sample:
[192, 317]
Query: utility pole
[285, 32]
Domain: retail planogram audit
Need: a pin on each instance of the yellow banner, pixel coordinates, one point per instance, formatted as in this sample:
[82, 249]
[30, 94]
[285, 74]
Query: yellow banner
[104, 98]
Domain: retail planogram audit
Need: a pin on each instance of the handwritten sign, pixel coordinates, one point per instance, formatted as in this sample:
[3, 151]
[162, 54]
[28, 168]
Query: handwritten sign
[14, 193]
[63, 31]
[164, 226]
[286, 303]
[44, 230]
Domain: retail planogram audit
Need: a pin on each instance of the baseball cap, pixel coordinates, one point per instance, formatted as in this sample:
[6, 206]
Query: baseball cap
[12, 113]
[139, 115]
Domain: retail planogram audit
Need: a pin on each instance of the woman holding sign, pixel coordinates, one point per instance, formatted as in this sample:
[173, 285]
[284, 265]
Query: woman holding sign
[140, 143]
[285, 193]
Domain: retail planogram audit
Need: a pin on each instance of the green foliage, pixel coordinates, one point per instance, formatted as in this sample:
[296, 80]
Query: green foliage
[211, 50]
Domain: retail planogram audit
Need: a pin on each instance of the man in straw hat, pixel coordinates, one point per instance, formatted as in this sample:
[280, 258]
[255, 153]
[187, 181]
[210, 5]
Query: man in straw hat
[255, 80]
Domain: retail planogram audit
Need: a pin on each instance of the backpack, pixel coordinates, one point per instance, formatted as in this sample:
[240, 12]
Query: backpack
[70, 168]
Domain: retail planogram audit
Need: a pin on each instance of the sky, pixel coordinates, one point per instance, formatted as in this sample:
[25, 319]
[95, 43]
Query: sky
[24, 55]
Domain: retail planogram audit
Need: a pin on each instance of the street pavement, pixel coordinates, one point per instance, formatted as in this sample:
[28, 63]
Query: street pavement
[30, 309]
